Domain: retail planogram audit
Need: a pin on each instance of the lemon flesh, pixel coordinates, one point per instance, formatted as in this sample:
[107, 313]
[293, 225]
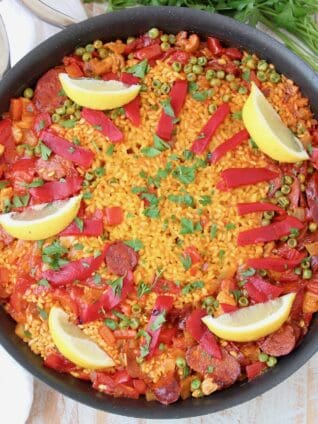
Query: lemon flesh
[268, 131]
[251, 323]
[74, 344]
[41, 221]
[98, 94]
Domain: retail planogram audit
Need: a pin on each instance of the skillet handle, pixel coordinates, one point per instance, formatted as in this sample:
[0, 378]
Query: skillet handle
[5, 49]
[48, 14]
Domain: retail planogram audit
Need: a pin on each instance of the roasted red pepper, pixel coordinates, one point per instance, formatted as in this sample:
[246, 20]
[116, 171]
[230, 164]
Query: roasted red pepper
[201, 334]
[66, 149]
[273, 264]
[177, 98]
[41, 122]
[74, 70]
[245, 208]
[233, 53]
[227, 308]
[203, 140]
[228, 145]
[255, 369]
[237, 177]
[214, 45]
[132, 111]
[312, 196]
[56, 190]
[150, 52]
[260, 290]
[58, 362]
[270, 232]
[162, 307]
[162, 286]
[114, 215]
[108, 300]
[194, 254]
[91, 227]
[103, 124]
[6, 139]
[179, 56]
[130, 79]
[76, 270]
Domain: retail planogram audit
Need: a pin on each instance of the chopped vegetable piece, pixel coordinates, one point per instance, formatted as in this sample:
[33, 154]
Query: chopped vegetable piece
[237, 177]
[102, 123]
[228, 145]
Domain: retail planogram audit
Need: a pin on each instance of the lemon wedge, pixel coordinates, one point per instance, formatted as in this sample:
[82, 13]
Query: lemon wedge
[41, 221]
[268, 131]
[74, 344]
[98, 94]
[253, 322]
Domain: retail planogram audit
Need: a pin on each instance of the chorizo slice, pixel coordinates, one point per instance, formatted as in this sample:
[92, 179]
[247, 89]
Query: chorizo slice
[167, 390]
[279, 343]
[47, 96]
[224, 372]
[121, 258]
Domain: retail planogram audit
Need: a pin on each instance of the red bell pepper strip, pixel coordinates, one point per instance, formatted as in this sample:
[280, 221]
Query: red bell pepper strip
[245, 208]
[74, 70]
[312, 196]
[272, 264]
[41, 122]
[56, 190]
[91, 228]
[233, 53]
[203, 140]
[227, 308]
[103, 124]
[179, 56]
[76, 270]
[260, 290]
[58, 362]
[132, 111]
[177, 97]
[66, 149]
[110, 76]
[228, 145]
[108, 300]
[255, 369]
[270, 232]
[150, 52]
[194, 254]
[114, 215]
[6, 139]
[294, 195]
[162, 286]
[162, 307]
[201, 334]
[214, 45]
[130, 79]
[237, 177]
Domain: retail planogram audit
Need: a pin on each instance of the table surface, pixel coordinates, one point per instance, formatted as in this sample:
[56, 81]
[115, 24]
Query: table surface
[293, 401]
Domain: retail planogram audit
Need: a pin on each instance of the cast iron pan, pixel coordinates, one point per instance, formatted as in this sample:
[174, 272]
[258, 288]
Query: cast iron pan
[121, 25]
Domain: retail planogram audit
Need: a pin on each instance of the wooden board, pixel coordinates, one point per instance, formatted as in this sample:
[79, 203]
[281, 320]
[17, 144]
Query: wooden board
[293, 402]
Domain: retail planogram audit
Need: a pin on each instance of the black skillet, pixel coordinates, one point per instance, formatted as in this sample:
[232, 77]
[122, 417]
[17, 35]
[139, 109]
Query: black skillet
[121, 25]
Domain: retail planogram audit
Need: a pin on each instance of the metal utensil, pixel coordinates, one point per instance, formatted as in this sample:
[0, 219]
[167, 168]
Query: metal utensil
[48, 14]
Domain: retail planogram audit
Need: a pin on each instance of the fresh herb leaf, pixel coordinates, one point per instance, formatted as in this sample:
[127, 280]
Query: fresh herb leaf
[237, 115]
[187, 226]
[45, 152]
[166, 104]
[249, 272]
[68, 123]
[139, 70]
[110, 150]
[117, 286]
[43, 282]
[78, 246]
[160, 144]
[185, 199]
[213, 231]
[138, 190]
[159, 320]
[99, 171]
[150, 152]
[142, 289]
[55, 248]
[36, 183]
[144, 348]
[192, 286]
[20, 201]
[230, 226]
[184, 174]
[87, 195]
[221, 255]
[79, 223]
[205, 200]
[43, 314]
[187, 154]
[97, 279]
[186, 261]
[237, 294]
[152, 212]
[136, 244]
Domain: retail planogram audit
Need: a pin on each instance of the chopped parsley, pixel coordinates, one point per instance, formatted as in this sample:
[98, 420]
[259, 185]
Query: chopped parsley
[117, 286]
[192, 286]
[110, 150]
[150, 152]
[36, 183]
[230, 226]
[68, 123]
[185, 174]
[45, 152]
[20, 201]
[213, 231]
[139, 70]
[152, 212]
[249, 272]
[189, 227]
[142, 289]
[205, 200]
[78, 246]
[159, 320]
[144, 348]
[43, 314]
[186, 261]
[184, 199]
[166, 104]
[136, 244]
[43, 282]
[221, 255]
[79, 223]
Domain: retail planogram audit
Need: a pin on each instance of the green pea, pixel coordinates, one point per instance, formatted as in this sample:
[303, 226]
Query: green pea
[195, 384]
[136, 308]
[288, 180]
[209, 310]
[271, 362]
[134, 323]
[202, 60]
[262, 65]
[130, 40]
[172, 39]
[220, 74]
[181, 362]
[89, 176]
[98, 44]
[165, 46]
[77, 115]
[68, 102]
[313, 227]
[60, 110]
[298, 271]
[268, 214]
[307, 274]
[70, 110]
[165, 88]
[305, 264]
[210, 74]
[193, 60]
[302, 187]
[28, 93]
[283, 201]
[124, 324]
[110, 323]
[242, 90]
[226, 98]
[284, 238]
[215, 82]
[234, 86]
[274, 77]
[292, 243]
[177, 66]
[187, 68]
[265, 222]
[102, 53]
[79, 51]
[262, 272]
[55, 118]
[156, 83]
[153, 33]
[243, 301]
[89, 48]
[285, 189]
[208, 301]
[197, 69]
[230, 77]
[164, 38]
[86, 57]
[263, 357]
[261, 76]
[191, 77]
[251, 64]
